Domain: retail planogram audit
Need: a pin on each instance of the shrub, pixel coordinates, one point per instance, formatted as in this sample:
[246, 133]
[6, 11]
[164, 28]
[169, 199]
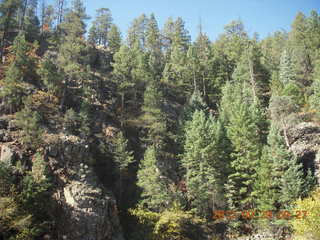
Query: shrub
[308, 227]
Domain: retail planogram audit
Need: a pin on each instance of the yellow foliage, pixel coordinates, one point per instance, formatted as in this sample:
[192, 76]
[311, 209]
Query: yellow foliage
[308, 227]
[173, 224]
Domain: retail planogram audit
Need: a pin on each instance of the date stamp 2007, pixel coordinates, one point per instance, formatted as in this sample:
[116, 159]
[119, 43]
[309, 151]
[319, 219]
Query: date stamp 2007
[258, 214]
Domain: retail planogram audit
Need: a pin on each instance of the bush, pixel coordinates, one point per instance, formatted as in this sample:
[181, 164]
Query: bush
[308, 227]
[173, 224]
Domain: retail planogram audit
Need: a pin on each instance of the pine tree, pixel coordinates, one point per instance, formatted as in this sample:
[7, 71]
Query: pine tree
[285, 181]
[181, 35]
[122, 73]
[315, 97]
[31, 25]
[70, 57]
[19, 73]
[101, 26]
[114, 39]
[50, 75]
[200, 161]
[137, 32]
[205, 71]
[286, 68]
[243, 118]
[175, 68]
[122, 157]
[155, 192]
[8, 11]
[153, 117]
[153, 47]
[29, 122]
[167, 36]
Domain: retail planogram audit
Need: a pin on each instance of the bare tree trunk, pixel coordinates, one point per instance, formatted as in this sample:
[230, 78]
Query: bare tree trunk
[252, 80]
[23, 15]
[285, 134]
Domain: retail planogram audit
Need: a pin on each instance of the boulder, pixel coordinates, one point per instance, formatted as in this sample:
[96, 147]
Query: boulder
[304, 141]
[93, 214]
[88, 210]
[7, 155]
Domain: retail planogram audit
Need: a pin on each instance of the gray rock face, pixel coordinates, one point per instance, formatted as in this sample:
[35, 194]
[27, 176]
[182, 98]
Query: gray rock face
[89, 212]
[7, 155]
[304, 141]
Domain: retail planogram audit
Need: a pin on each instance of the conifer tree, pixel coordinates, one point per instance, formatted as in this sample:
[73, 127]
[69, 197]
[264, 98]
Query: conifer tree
[153, 117]
[181, 35]
[114, 39]
[101, 26]
[29, 122]
[243, 118]
[70, 57]
[175, 68]
[50, 75]
[153, 47]
[201, 163]
[137, 32]
[155, 191]
[20, 71]
[8, 11]
[122, 157]
[122, 73]
[167, 36]
[278, 188]
[286, 68]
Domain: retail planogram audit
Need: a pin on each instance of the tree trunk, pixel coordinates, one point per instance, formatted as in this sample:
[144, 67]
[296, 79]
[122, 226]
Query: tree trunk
[23, 15]
[252, 79]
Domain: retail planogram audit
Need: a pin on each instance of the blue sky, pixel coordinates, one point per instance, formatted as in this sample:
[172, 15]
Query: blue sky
[261, 16]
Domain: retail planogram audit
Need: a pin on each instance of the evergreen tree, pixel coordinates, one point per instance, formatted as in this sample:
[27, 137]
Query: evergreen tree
[137, 32]
[315, 97]
[250, 71]
[19, 73]
[200, 161]
[50, 75]
[29, 122]
[155, 192]
[8, 11]
[122, 157]
[153, 47]
[286, 69]
[101, 26]
[175, 68]
[153, 117]
[31, 24]
[70, 57]
[278, 188]
[167, 36]
[181, 35]
[122, 73]
[243, 118]
[114, 39]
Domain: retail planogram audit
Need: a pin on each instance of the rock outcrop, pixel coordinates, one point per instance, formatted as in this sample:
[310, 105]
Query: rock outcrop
[85, 210]
[304, 140]
[89, 212]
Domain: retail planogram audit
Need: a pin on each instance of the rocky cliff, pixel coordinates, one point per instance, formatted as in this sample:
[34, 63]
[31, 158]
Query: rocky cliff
[304, 140]
[84, 209]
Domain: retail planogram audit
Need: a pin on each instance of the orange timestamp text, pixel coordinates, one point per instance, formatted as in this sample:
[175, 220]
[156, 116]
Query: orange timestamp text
[258, 214]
